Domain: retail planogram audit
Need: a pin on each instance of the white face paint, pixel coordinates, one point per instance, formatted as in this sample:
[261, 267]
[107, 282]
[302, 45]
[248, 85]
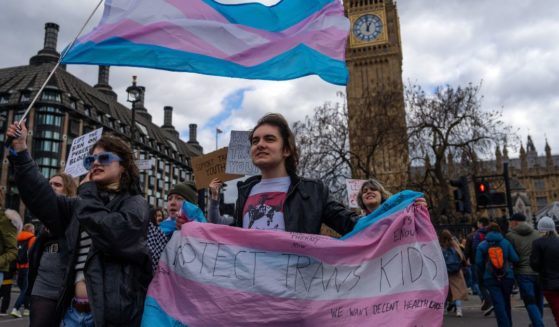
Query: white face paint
[267, 3]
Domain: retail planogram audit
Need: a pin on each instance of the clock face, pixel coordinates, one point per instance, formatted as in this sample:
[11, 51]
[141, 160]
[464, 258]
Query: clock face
[367, 27]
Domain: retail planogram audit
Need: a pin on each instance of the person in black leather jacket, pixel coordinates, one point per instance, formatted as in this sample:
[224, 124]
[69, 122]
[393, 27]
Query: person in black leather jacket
[278, 199]
[104, 227]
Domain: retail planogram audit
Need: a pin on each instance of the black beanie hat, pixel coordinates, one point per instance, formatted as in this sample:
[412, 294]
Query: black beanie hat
[187, 190]
[518, 217]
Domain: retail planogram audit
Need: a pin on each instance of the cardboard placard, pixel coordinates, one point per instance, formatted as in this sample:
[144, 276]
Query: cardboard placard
[79, 150]
[353, 187]
[210, 166]
[238, 155]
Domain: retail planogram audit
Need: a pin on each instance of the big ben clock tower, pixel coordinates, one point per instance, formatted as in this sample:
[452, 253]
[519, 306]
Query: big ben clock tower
[377, 123]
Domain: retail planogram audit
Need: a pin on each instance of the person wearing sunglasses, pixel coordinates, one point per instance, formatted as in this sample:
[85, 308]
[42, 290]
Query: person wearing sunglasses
[105, 229]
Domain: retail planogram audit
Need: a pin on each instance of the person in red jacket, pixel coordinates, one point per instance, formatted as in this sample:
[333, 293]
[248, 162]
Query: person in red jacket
[25, 240]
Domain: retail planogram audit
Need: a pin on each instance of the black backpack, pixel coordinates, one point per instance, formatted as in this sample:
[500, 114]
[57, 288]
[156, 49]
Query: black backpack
[22, 252]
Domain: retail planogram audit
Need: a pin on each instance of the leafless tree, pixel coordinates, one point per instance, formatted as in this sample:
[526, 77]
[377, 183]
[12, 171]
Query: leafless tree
[324, 138]
[446, 125]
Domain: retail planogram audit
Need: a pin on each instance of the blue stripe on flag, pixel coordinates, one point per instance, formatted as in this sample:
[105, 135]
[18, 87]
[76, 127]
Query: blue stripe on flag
[155, 316]
[297, 62]
[394, 204]
[275, 18]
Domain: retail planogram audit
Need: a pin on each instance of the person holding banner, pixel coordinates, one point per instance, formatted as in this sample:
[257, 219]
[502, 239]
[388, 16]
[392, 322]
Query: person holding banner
[278, 199]
[105, 227]
[371, 195]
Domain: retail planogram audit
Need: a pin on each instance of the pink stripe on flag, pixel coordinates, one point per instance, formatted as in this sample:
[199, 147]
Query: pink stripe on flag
[329, 41]
[198, 304]
[398, 229]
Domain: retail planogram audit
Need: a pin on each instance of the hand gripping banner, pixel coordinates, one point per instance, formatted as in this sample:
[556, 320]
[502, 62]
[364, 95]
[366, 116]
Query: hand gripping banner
[389, 271]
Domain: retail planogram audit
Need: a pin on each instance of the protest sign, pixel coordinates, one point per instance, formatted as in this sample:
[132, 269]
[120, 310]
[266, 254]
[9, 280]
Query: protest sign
[353, 187]
[238, 155]
[79, 150]
[389, 271]
[210, 166]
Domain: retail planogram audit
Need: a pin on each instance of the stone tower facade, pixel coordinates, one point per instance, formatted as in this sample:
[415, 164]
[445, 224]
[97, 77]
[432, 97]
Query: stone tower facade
[377, 124]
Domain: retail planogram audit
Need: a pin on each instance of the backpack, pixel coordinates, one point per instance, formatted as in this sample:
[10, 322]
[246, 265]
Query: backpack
[496, 258]
[22, 252]
[452, 260]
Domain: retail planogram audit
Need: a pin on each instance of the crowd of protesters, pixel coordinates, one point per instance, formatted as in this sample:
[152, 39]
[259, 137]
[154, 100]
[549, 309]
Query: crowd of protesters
[493, 261]
[92, 262]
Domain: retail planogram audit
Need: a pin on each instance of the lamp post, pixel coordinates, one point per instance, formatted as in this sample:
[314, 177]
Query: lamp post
[134, 95]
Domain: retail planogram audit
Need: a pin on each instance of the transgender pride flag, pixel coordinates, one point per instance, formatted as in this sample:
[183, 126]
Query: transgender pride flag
[388, 272]
[290, 39]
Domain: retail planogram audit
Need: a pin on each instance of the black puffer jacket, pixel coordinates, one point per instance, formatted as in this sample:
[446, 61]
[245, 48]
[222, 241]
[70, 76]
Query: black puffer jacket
[543, 260]
[307, 205]
[117, 270]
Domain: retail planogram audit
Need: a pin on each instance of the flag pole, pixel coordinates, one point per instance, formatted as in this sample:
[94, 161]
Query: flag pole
[26, 112]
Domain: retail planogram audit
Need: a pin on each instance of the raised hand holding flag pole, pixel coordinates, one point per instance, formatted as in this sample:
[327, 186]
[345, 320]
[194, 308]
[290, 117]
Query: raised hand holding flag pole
[10, 139]
[290, 39]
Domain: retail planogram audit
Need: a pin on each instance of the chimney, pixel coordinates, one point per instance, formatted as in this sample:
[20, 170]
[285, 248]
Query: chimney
[192, 131]
[103, 82]
[103, 75]
[168, 116]
[48, 54]
[51, 36]
[168, 121]
[193, 141]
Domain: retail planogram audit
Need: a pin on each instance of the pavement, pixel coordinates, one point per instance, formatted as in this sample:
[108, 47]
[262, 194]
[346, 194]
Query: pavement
[473, 316]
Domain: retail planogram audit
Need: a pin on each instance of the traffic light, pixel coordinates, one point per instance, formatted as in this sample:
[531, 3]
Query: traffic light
[461, 194]
[483, 194]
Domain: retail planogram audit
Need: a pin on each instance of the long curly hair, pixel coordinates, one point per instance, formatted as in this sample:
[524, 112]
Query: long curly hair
[130, 177]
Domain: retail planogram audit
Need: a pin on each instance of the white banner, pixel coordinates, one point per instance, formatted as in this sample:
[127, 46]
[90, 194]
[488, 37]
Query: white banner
[238, 155]
[79, 150]
[353, 186]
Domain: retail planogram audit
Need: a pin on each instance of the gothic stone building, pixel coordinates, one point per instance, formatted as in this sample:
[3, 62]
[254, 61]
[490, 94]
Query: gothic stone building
[68, 108]
[534, 177]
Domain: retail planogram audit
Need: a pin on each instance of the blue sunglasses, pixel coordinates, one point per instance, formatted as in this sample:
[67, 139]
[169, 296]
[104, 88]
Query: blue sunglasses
[104, 158]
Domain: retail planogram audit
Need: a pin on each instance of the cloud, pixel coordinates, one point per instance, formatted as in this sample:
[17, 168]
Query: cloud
[509, 44]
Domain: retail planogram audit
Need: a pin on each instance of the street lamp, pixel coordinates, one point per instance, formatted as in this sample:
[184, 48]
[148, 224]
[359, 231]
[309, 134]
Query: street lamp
[134, 96]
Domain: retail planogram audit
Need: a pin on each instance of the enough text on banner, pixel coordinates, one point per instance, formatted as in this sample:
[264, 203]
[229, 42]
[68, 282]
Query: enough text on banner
[388, 271]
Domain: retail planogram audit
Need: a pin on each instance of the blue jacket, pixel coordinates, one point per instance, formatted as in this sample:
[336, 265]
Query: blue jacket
[482, 261]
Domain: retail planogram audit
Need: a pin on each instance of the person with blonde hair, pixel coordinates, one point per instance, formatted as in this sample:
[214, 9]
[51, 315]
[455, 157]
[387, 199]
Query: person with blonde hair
[46, 267]
[455, 260]
[371, 195]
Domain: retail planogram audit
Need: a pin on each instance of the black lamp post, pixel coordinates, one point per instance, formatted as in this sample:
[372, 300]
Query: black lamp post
[134, 95]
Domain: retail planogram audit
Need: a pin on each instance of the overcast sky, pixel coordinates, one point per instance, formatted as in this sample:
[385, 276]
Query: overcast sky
[513, 46]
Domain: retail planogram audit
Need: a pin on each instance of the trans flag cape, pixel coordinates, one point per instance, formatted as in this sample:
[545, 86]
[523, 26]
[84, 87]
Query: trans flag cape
[388, 272]
[234, 38]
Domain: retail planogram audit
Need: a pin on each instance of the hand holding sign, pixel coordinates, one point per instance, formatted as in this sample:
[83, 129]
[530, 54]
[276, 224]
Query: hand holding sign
[215, 186]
